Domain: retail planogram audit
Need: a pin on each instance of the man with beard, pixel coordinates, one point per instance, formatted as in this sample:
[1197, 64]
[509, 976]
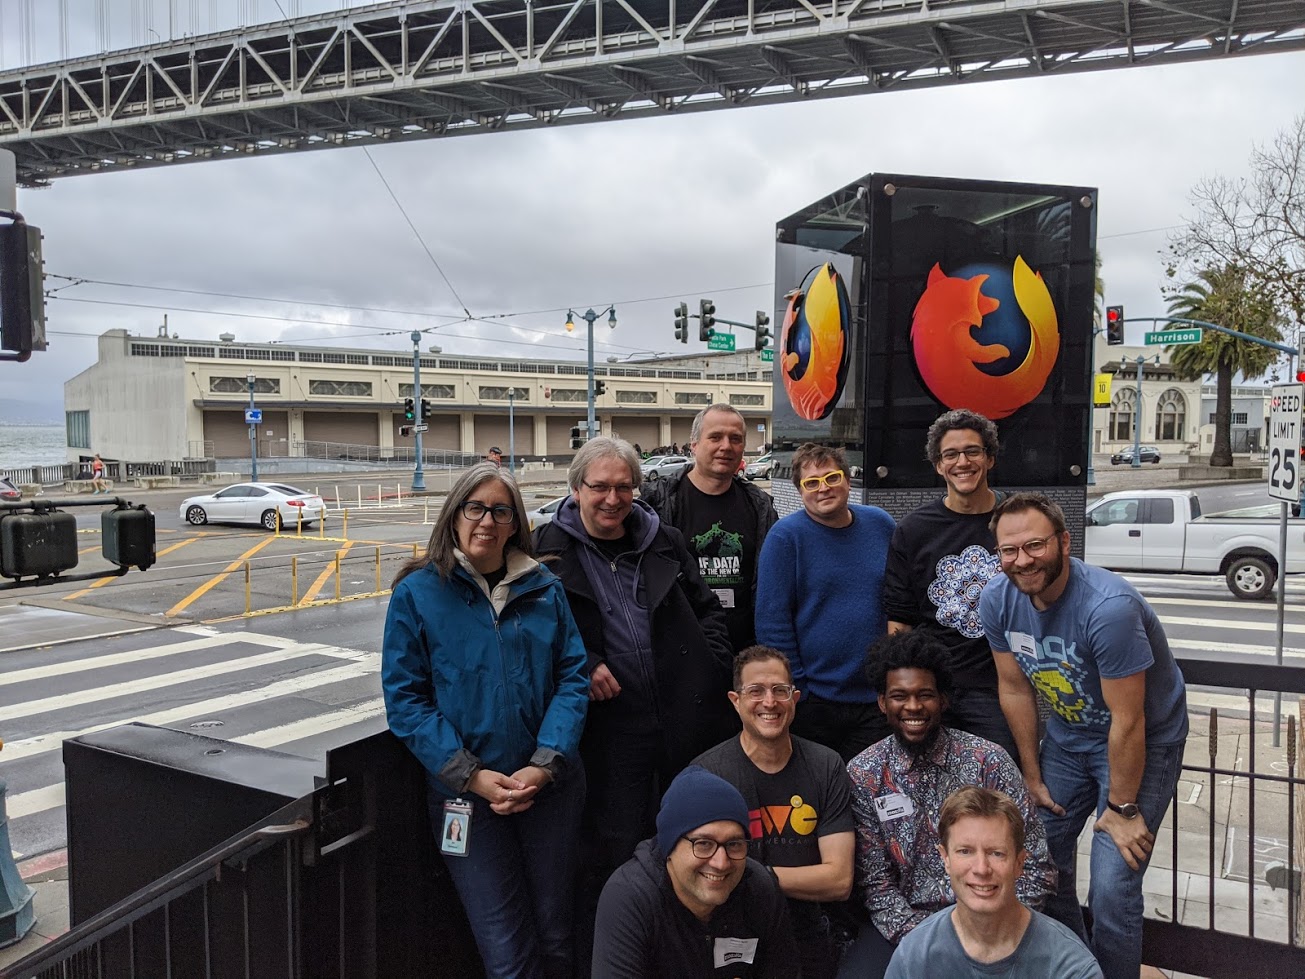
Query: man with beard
[724, 519]
[899, 786]
[940, 559]
[1114, 742]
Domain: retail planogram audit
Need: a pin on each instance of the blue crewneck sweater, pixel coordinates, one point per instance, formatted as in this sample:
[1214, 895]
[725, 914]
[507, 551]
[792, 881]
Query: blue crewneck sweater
[819, 599]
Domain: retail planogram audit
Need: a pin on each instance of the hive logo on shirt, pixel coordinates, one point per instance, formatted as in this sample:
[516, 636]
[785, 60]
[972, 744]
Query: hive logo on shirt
[956, 590]
[796, 817]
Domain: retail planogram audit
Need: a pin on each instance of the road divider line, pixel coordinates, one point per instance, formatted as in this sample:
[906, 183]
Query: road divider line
[366, 664]
[217, 579]
[325, 576]
[114, 577]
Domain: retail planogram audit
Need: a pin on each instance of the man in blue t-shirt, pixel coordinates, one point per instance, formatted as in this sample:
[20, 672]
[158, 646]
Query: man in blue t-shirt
[1091, 645]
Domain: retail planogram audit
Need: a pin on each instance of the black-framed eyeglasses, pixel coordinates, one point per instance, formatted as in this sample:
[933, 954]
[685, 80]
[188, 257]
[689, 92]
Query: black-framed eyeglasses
[705, 849]
[970, 452]
[756, 692]
[602, 489]
[475, 512]
[1033, 548]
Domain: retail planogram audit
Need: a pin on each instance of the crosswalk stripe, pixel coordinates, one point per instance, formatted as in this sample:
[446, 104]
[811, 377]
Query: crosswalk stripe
[1232, 624]
[366, 664]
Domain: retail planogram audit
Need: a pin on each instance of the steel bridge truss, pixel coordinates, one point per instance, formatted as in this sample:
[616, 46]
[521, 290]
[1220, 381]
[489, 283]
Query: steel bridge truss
[411, 70]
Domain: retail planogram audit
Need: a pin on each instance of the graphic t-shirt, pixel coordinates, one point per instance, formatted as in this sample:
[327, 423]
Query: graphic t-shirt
[1099, 627]
[720, 530]
[789, 811]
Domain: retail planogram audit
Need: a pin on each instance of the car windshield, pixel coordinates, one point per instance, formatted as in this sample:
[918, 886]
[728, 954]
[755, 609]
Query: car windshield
[653, 460]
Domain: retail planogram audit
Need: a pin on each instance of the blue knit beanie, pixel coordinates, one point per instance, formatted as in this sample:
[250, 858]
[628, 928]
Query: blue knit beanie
[695, 798]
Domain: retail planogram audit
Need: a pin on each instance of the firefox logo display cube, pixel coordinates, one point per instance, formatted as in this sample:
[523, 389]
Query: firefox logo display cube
[900, 297]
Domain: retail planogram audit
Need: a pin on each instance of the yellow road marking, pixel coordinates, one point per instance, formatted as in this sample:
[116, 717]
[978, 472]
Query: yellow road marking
[325, 576]
[101, 582]
[217, 579]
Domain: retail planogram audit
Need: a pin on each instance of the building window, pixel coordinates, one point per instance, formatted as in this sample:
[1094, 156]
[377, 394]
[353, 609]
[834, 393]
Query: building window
[692, 398]
[340, 389]
[1171, 414]
[501, 394]
[747, 399]
[1120, 426]
[239, 385]
[79, 429]
[572, 395]
[444, 391]
[1238, 418]
[636, 397]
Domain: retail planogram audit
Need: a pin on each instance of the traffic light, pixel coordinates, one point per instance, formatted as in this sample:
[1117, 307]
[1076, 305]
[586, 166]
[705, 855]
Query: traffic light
[706, 319]
[577, 439]
[22, 290]
[600, 388]
[763, 334]
[405, 431]
[682, 322]
[409, 415]
[1114, 325]
[425, 409]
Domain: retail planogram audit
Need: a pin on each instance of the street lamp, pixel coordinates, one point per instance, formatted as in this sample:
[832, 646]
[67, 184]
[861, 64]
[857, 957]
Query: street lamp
[251, 377]
[589, 317]
[1137, 415]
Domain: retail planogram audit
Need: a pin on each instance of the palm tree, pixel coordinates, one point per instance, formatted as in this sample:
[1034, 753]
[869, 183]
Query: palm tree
[1224, 297]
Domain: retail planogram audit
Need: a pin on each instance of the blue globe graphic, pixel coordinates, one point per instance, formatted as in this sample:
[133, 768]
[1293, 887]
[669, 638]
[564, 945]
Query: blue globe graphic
[1007, 325]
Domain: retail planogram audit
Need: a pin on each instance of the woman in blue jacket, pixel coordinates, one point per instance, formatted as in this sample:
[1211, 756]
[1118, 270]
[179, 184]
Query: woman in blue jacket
[485, 682]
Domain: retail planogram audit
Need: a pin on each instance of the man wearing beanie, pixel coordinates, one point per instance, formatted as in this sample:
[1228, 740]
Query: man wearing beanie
[690, 903]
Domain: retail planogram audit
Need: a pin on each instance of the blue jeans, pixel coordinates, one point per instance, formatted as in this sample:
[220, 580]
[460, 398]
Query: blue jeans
[517, 881]
[1080, 781]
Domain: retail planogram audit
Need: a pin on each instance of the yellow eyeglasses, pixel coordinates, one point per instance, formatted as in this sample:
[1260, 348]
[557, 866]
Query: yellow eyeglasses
[813, 483]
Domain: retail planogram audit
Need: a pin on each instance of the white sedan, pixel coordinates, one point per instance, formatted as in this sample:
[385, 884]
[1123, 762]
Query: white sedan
[255, 503]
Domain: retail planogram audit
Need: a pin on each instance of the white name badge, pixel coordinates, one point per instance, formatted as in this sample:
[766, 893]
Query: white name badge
[893, 806]
[732, 951]
[1022, 644]
[726, 596]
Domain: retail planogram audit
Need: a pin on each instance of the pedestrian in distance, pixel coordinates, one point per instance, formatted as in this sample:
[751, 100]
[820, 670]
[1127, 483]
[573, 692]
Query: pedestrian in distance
[494, 455]
[483, 671]
[98, 484]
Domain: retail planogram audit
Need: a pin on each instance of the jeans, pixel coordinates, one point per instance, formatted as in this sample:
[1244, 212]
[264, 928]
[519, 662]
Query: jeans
[846, 728]
[978, 712]
[1080, 782]
[517, 881]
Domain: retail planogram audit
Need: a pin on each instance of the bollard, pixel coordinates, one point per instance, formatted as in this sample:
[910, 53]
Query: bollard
[16, 912]
[337, 576]
[360, 502]
[294, 580]
[247, 605]
[344, 530]
[398, 492]
[425, 513]
[378, 568]
[278, 522]
[379, 497]
[414, 548]
[299, 520]
[321, 526]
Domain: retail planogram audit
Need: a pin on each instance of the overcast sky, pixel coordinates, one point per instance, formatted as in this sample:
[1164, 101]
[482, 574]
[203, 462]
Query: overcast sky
[641, 213]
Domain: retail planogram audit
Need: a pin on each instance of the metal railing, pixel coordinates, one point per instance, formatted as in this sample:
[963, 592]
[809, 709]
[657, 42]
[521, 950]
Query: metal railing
[399, 455]
[115, 470]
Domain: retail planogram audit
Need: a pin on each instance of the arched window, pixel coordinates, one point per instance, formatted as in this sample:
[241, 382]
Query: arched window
[1170, 416]
[1120, 428]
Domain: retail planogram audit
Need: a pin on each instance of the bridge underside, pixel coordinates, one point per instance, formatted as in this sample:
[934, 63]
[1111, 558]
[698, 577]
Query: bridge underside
[413, 70]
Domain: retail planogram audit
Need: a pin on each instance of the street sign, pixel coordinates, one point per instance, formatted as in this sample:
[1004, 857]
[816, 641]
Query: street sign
[767, 355]
[253, 416]
[1101, 391]
[1175, 336]
[1284, 441]
[420, 428]
[721, 341]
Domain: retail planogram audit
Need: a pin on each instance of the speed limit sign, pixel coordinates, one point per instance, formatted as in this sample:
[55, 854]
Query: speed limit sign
[1285, 442]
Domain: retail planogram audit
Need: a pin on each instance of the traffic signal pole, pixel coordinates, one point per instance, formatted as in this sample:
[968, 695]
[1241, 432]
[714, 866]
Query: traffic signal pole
[418, 474]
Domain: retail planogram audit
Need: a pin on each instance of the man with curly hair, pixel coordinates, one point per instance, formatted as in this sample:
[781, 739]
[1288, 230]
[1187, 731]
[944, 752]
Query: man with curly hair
[938, 562]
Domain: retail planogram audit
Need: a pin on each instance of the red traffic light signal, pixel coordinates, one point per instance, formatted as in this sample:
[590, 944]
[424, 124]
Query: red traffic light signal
[1300, 377]
[1114, 325]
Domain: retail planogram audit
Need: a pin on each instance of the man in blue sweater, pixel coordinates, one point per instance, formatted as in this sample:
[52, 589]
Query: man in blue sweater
[819, 581]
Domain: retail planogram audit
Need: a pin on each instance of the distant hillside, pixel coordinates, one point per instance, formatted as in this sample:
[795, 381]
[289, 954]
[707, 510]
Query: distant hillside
[21, 413]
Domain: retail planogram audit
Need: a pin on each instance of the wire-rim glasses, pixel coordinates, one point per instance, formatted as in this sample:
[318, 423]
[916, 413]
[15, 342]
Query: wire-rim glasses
[1033, 548]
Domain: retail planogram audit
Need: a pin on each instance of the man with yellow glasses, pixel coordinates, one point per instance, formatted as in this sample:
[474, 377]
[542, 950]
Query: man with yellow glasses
[819, 581]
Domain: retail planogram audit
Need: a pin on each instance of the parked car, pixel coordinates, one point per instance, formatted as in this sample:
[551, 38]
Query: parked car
[1165, 531]
[545, 514]
[9, 492]
[659, 466]
[759, 468]
[254, 503]
[1146, 453]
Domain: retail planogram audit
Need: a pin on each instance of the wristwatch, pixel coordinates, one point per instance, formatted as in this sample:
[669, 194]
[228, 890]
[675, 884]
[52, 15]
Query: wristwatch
[1128, 810]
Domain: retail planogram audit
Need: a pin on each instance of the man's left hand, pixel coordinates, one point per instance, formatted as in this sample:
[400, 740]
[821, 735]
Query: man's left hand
[1131, 836]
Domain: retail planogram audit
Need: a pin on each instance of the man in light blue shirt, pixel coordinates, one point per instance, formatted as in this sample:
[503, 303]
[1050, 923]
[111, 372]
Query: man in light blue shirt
[1092, 646]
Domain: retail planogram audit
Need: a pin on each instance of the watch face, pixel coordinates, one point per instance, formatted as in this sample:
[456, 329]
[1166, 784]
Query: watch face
[1128, 810]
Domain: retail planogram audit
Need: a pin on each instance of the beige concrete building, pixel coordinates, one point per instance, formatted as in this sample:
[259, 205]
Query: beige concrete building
[1169, 412]
[165, 398]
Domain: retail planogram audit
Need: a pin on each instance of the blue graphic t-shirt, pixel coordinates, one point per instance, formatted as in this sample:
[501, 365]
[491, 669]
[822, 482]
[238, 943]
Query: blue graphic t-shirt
[1100, 627]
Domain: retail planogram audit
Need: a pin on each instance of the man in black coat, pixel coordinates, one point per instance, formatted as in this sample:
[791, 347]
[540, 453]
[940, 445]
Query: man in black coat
[659, 652]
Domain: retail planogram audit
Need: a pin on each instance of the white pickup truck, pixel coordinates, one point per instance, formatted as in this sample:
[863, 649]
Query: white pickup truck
[1164, 530]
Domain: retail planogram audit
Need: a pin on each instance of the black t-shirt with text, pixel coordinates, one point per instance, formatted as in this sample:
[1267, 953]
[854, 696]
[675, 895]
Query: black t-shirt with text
[721, 532]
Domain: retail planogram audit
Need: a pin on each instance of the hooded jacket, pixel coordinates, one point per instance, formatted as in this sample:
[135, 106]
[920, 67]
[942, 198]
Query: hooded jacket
[650, 618]
[475, 678]
[643, 930]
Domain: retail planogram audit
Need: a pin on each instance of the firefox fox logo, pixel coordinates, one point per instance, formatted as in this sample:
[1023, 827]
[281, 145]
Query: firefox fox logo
[949, 357]
[814, 343]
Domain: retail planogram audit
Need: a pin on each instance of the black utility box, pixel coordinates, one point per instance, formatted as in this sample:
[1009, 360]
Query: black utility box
[143, 800]
[37, 544]
[128, 537]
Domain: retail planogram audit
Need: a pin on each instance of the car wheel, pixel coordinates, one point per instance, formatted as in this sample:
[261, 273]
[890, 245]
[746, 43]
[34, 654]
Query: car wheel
[652, 476]
[268, 520]
[1250, 577]
[196, 516]
[1156, 460]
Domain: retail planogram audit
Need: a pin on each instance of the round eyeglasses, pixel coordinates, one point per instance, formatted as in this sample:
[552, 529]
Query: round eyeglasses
[1033, 548]
[475, 512]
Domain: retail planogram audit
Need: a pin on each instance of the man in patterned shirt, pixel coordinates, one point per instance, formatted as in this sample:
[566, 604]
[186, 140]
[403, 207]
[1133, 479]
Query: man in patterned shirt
[898, 788]
[940, 559]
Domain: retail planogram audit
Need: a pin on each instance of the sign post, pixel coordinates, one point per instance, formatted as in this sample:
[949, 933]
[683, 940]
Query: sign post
[1284, 485]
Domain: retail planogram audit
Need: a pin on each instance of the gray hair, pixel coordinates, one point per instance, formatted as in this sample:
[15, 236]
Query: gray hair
[603, 447]
[695, 432]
